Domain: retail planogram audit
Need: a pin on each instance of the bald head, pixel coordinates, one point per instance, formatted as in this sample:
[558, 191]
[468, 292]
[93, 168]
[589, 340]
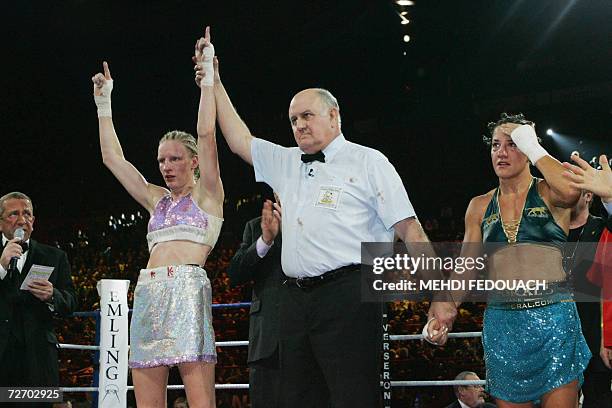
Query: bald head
[315, 119]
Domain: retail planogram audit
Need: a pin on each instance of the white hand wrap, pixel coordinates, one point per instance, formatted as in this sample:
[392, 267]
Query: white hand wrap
[426, 332]
[526, 140]
[103, 102]
[208, 54]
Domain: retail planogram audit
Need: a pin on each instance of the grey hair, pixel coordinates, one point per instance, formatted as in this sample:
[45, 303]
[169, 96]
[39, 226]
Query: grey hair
[461, 376]
[329, 100]
[15, 195]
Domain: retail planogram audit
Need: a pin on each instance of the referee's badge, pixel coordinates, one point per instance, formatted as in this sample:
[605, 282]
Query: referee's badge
[329, 197]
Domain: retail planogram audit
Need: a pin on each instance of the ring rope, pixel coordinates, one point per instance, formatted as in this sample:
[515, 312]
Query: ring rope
[401, 337]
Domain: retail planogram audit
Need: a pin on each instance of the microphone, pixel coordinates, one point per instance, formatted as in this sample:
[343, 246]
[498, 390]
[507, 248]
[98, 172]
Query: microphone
[19, 233]
[311, 173]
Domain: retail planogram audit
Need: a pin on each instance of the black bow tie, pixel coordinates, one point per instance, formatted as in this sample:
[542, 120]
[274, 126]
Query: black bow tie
[318, 156]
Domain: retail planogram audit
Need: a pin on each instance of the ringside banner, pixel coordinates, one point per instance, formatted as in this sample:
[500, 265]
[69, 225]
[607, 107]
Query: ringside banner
[112, 388]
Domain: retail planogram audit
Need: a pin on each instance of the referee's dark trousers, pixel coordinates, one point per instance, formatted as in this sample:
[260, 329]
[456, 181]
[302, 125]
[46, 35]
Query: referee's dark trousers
[330, 343]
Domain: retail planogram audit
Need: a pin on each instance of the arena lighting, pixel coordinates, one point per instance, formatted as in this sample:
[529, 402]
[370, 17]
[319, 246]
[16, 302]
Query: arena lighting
[552, 27]
[404, 2]
[567, 144]
[406, 38]
[404, 19]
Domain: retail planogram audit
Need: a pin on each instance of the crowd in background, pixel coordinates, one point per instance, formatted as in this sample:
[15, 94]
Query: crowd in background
[114, 248]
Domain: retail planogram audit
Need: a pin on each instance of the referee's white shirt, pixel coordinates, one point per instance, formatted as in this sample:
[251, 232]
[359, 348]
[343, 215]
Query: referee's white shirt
[330, 208]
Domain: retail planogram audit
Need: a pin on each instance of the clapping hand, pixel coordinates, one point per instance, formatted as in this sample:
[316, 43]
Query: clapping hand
[270, 222]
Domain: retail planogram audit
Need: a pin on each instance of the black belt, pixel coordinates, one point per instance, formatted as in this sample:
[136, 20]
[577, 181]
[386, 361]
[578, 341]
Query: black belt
[309, 282]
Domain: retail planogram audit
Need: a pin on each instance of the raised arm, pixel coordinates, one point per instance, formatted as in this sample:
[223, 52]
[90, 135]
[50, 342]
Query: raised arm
[235, 131]
[112, 155]
[209, 186]
[558, 189]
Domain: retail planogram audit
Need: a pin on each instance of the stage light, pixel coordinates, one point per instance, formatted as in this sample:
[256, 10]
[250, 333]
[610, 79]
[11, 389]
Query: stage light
[405, 21]
[550, 132]
[403, 13]
[406, 38]
[404, 2]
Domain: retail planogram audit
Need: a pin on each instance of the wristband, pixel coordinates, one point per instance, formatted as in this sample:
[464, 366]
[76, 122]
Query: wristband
[208, 55]
[526, 140]
[426, 332]
[103, 102]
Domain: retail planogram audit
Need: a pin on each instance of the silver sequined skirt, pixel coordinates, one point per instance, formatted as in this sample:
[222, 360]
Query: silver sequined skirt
[172, 318]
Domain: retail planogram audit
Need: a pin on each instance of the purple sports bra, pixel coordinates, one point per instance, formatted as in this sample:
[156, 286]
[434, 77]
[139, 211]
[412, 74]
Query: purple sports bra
[182, 220]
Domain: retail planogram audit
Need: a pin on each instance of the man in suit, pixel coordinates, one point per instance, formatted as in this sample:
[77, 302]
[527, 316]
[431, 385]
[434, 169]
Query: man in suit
[469, 396]
[585, 230]
[28, 344]
[258, 259]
